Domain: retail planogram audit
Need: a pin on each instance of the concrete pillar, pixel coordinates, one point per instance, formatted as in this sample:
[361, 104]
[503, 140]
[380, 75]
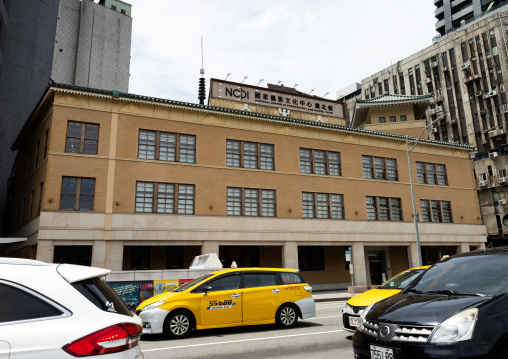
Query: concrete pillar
[358, 260]
[210, 247]
[290, 255]
[99, 254]
[45, 251]
[413, 255]
[463, 248]
[114, 255]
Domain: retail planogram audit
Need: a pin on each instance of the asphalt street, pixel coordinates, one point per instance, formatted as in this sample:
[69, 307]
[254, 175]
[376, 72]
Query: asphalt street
[318, 337]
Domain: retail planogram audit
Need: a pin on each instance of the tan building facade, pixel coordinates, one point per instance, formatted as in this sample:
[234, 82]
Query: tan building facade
[130, 182]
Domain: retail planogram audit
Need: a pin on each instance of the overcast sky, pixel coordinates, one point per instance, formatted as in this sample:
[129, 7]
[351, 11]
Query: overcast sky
[323, 45]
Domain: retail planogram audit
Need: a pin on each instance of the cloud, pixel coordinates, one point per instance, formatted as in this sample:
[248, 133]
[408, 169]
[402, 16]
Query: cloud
[320, 44]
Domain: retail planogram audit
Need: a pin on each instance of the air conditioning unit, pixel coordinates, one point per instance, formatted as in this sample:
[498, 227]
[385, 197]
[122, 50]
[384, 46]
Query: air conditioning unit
[453, 122]
[478, 93]
[493, 154]
[501, 201]
[493, 93]
[450, 87]
[439, 109]
[434, 129]
[487, 95]
[440, 116]
[428, 80]
[501, 180]
[473, 59]
[434, 64]
[505, 108]
[482, 112]
[501, 88]
[445, 68]
[432, 111]
[484, 183]
[465, 65]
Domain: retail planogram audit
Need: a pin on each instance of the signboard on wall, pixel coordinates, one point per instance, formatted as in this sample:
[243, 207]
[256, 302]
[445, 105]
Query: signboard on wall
[297, 101]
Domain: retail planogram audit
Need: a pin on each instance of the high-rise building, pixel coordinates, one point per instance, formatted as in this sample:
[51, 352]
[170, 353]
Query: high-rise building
[466, 72]
[78, 42]
[453, 14]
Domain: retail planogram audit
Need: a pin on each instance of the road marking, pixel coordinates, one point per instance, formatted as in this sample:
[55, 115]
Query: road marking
[331, 316]
[242, 340]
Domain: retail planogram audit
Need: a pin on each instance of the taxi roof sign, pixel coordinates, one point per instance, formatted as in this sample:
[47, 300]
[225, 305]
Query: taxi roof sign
[206, 261]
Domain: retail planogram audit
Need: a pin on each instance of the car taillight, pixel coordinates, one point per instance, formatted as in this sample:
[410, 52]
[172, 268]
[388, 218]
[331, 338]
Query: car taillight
[113, 339]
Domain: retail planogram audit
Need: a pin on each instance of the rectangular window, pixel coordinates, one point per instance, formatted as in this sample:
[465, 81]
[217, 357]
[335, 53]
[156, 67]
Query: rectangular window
[41, 188]
[393, 119]
[46, 138]
[436, 211]
[36, 160]
[320, 162]
[382, 120]
[251, 202]
[402, 118]
[311, 258]
[380, 168]
[77, 193]
[82, 138]
[249, 155]
[165, 146]
[383, 209]
[431, 173]
[322, 205]
[170, 198]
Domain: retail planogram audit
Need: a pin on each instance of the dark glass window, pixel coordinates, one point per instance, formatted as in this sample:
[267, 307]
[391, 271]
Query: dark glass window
[311, 258]
[82, 138]
[18, 304]
[77, 193]
[81, 255]
[251, 280]
[244, 256]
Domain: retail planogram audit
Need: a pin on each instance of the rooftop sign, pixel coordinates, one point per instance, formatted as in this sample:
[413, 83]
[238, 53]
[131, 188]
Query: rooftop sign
[283, 100]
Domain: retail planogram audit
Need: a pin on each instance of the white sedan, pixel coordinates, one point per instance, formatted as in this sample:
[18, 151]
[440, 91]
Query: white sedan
[58, 311]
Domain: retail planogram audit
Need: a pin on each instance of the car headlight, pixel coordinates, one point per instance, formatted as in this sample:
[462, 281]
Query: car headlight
[458, 328]
[153, 305]
[364, 314]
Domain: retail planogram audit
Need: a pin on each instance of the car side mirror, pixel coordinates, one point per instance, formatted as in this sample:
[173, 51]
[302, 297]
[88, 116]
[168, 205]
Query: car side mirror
[206, 289]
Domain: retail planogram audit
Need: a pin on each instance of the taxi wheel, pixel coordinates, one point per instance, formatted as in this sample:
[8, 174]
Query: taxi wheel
[286, 316]
[178, 324]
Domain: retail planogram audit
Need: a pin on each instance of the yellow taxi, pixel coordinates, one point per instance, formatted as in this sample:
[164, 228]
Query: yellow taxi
[356, 305]
[228, 298]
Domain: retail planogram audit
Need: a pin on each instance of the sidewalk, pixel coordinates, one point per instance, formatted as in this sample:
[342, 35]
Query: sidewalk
[331, 295]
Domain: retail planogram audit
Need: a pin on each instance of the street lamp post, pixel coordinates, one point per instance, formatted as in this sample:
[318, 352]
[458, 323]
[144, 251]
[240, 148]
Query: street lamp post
[415, 213]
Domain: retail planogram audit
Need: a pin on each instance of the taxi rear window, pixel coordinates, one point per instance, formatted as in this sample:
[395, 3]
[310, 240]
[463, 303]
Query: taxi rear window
[291, 278]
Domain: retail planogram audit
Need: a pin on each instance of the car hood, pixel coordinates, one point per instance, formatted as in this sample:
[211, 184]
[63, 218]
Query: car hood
[158, 298]
[422, 309]
[371, 296]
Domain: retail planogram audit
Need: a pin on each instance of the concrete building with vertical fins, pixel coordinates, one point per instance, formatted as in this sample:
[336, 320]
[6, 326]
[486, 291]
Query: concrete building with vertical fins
[77, 42]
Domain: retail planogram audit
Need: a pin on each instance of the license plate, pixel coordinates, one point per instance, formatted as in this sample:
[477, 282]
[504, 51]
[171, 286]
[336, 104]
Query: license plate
[353, 321]
[381, 352]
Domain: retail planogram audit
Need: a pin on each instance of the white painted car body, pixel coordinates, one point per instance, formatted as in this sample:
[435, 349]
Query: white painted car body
[54, 285]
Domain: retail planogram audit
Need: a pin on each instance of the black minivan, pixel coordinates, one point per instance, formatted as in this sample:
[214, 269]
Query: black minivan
[458, 308]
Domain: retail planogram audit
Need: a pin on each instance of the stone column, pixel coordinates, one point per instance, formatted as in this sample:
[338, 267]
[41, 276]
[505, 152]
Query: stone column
[463, 248]
[413, 255]
[290, 255]
[358, 261]
[114, 254]
[210, 247]
[99, 254]
[45, 251]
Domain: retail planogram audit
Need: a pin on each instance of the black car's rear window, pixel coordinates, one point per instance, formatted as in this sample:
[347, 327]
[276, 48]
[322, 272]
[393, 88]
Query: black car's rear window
[102, 296]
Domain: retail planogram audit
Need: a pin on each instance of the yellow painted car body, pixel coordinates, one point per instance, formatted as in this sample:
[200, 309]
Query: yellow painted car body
[230, 297]
[355, 306]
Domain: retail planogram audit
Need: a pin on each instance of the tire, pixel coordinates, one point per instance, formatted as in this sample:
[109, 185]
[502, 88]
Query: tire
[286, 316]
[178, 324]
[503, 353]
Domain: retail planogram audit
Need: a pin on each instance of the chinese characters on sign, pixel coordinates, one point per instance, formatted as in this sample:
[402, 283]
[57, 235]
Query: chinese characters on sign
[271, 98]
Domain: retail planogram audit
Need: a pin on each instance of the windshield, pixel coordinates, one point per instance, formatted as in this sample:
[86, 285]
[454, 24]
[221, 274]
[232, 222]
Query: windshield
[192, 283]
[402, 280]
[474, 275]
